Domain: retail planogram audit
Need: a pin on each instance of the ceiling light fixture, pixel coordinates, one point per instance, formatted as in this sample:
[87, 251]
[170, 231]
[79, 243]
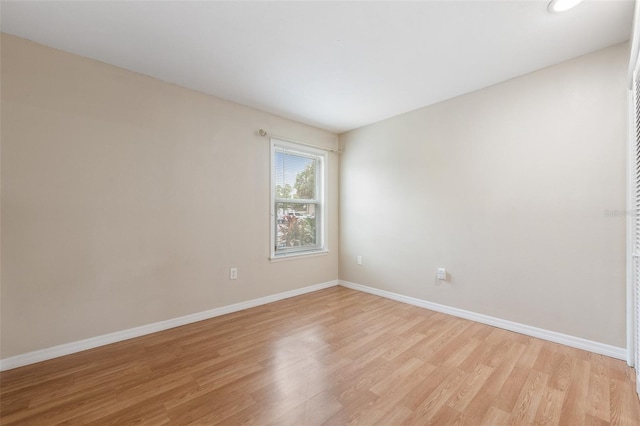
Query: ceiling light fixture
[557, 6]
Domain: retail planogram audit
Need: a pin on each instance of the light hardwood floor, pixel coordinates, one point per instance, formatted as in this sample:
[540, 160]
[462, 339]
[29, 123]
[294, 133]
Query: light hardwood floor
[333, 357]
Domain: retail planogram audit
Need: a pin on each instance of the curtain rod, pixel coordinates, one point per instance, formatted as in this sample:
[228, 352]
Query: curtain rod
[264, 133]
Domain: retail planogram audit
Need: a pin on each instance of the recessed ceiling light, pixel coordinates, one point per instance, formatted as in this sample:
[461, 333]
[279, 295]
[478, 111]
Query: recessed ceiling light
[557, 6]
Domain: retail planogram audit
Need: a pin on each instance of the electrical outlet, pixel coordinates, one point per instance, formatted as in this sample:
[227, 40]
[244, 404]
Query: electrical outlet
[233, 274]
[442, 274]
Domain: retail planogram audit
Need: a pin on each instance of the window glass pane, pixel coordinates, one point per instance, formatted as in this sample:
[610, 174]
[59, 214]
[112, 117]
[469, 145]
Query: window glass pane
[295, 225]
[295, 176]
[297, 213]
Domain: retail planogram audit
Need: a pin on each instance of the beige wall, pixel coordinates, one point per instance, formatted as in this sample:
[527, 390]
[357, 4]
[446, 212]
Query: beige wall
[507, 188]
[125, 200]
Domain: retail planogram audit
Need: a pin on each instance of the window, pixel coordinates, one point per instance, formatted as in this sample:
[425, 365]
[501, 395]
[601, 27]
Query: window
[297, 199]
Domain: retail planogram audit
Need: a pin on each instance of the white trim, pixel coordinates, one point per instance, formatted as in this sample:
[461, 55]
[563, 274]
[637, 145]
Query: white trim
[552, 336]
[118, 336]
[629, 226]
[300, 255]
[94, 342]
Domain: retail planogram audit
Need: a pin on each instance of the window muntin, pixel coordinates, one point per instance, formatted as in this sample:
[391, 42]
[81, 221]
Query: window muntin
[297, 187]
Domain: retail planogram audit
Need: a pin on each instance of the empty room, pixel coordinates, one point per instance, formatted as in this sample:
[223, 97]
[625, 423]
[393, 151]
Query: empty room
[319, 213]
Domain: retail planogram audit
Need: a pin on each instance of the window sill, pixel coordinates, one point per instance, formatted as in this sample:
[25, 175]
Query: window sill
[294, 256]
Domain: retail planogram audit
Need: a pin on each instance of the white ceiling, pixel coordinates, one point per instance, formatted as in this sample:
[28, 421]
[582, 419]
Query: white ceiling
[335, 65]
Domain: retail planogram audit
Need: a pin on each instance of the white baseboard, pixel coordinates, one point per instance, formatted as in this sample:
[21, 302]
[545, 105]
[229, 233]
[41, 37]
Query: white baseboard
[118, 336]
[552, 336]
[94, 342]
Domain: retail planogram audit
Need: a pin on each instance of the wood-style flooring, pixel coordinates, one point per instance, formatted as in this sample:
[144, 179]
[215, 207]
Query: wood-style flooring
[332, 357]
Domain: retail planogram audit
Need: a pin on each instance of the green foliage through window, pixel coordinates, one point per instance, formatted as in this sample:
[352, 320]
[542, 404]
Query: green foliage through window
[297, 208]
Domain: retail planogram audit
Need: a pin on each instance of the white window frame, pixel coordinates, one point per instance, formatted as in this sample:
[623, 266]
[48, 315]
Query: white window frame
[321, 199]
